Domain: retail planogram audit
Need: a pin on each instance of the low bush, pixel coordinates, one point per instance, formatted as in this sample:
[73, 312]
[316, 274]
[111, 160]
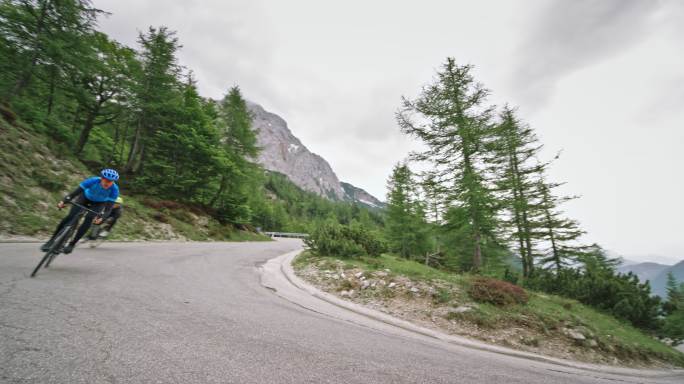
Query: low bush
[332, 239]
[497, 292]
[623, 296]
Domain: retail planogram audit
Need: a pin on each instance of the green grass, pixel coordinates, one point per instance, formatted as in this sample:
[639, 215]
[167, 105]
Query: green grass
[546, 314]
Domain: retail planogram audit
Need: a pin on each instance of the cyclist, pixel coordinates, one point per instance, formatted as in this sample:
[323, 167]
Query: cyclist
[109, 221]
[97, 193]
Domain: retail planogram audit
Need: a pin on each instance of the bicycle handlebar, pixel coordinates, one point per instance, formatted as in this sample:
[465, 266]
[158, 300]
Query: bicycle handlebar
[83, 207]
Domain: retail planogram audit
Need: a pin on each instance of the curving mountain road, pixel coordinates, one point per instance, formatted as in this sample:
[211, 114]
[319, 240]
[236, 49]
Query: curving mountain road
[197, 313]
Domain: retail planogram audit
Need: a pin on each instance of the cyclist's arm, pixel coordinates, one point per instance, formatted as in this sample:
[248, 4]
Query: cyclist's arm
[73, 194]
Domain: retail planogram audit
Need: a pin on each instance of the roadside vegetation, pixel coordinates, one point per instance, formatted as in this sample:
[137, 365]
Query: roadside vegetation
[532, 321]
[487, 208]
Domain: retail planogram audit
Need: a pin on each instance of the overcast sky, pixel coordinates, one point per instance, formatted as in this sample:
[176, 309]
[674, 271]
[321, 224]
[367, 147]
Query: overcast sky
[601, 80]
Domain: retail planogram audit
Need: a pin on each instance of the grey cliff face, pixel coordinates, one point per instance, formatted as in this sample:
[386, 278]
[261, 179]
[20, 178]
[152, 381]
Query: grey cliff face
[281, 151]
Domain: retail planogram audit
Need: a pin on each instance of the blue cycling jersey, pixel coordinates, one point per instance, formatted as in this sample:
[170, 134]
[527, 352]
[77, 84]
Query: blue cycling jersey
[94, 192]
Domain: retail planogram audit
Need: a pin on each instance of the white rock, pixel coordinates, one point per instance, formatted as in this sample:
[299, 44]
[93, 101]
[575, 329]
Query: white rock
[335, 277]
[342, 275]
[358, 274]
[392, 285]
[345, 294]
[365, 284]
[592, 343]
[575, 335]
[414, 290]
[461, 309]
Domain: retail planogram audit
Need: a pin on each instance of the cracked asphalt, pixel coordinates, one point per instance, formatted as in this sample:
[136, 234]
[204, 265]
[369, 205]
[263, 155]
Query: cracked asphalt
[197, 313]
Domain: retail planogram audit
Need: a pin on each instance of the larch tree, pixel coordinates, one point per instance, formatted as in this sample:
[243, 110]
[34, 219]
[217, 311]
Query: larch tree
[41, 34]
[103, 88]
[157, 92]
[451, 118]
[515, 161]
[405, 226]
[562, 235]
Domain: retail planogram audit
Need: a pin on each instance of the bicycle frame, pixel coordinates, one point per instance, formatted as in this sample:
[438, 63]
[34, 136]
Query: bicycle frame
[62, 237]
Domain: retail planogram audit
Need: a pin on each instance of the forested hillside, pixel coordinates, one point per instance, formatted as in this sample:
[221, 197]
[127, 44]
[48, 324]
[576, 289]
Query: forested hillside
[100, 104]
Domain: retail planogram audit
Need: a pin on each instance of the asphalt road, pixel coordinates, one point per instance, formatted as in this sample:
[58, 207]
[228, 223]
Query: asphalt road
[197, 313]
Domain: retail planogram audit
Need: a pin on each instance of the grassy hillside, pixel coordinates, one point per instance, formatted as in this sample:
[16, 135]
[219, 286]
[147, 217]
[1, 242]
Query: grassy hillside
[438, 299]
[36, 172]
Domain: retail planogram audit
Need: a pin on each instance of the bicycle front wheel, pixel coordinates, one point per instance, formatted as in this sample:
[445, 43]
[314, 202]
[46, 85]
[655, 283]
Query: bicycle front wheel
[48, 255]
[59, 242]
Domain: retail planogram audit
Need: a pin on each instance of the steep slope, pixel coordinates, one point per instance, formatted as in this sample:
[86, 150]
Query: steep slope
[283, 152]
[36, 172]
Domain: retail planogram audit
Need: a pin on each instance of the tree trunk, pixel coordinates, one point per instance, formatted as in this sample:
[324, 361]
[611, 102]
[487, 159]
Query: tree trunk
[51, 97]
[87, 128]
[477, 255]
[216, 197]
[133, 152]
[25, 77]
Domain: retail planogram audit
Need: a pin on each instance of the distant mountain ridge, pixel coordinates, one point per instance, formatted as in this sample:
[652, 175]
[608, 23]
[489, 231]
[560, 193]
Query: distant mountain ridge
[644, 271]
[360, 196]
[283, 152]
[656, 274]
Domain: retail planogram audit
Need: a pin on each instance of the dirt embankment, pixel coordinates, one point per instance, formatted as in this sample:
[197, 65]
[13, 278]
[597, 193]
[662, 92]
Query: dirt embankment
[446, 306]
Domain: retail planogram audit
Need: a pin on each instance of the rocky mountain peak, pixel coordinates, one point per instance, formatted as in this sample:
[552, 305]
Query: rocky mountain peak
[283, 152]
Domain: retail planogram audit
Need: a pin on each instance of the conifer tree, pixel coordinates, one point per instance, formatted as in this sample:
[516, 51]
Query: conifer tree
[239, 143]
[406, 229]
[562, 234]
[41, 34]
[103, 86]
[515, 161]
[157, 91]
[451, 118]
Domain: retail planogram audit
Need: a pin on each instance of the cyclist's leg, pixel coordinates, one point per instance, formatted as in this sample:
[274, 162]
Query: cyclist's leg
[113, 218]
[86, 223]
[72, 214]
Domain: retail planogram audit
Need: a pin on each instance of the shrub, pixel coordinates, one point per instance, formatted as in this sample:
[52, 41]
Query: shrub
[332, 239]
[497, 292]
[622, 296]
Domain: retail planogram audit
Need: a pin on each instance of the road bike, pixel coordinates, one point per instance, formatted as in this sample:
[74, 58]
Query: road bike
[62, 238]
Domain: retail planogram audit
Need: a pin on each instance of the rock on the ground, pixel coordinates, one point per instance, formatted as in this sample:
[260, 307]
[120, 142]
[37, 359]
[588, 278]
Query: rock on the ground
[392, 285]
[575, 335]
